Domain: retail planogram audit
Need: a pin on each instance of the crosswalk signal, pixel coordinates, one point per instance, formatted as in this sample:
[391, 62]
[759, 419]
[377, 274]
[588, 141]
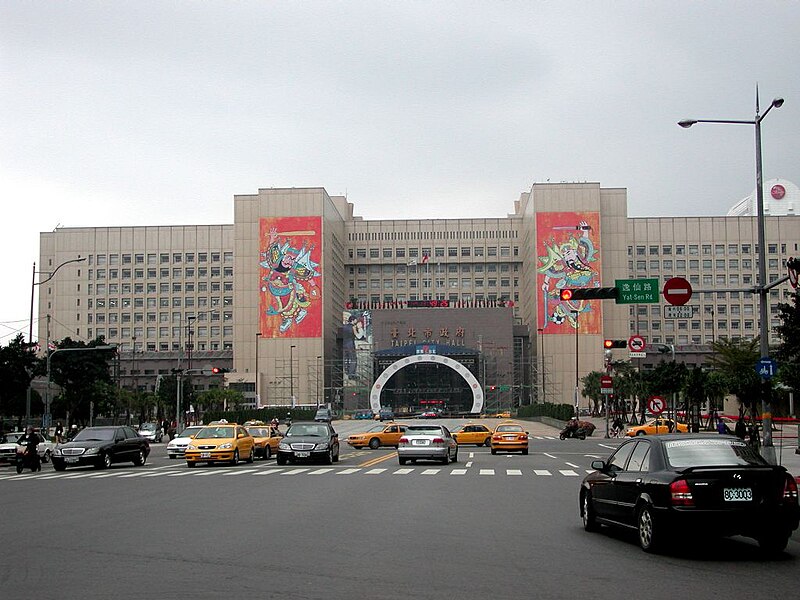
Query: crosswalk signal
[609, 344]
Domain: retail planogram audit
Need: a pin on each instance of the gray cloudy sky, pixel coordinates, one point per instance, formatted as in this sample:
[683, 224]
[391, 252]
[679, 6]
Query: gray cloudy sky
[156, 113]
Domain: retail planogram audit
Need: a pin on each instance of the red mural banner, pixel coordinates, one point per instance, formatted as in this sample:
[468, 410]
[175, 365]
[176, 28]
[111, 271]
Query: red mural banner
[289, 277]
[568, 256]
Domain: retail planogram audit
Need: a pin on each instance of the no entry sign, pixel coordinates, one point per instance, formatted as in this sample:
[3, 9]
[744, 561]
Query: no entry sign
[677, 291]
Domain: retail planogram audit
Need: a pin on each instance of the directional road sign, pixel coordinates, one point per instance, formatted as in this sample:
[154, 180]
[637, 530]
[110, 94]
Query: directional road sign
[637, 291]
[766, 367]
[677, 291]
[656, 405]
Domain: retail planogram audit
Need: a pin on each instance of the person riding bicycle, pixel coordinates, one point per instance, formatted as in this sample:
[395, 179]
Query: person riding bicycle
[617, 426]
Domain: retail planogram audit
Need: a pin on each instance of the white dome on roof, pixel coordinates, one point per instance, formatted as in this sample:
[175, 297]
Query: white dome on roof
[781, 197]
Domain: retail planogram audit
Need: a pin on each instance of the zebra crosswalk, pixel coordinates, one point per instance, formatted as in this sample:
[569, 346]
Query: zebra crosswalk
[302, 472]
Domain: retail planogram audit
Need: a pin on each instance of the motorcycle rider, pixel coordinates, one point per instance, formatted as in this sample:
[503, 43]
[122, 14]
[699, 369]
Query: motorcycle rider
[31, 441]
[616, 426]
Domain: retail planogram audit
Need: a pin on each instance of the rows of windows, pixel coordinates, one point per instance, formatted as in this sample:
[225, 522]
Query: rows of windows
[439, 252]
[720, 264]
[154, 258]
[163, 302]
[464, 268]
[159, 273]
[702, 249]
[465, 234]
[453, 282]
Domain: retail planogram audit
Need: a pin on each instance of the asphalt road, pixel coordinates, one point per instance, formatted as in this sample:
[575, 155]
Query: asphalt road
[487, 527]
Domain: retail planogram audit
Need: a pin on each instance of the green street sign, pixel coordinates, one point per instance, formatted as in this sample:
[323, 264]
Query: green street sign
[504, 388]
[637, 291]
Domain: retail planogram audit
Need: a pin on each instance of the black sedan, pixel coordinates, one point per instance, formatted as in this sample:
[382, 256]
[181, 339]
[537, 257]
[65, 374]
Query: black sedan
[102, 446]
[679, 485]
[309, 441]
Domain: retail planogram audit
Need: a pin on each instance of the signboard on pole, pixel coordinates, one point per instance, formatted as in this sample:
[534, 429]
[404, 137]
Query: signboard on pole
[606, 385]
[636, 343]
[678, 312]
[766, 367]
[677, 291]
[637, 291]
[656, 405]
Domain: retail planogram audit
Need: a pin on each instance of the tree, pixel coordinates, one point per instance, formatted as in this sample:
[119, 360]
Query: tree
[220, 399]
[735, 360]
[591, 389]
[788, 351]
[18, 364]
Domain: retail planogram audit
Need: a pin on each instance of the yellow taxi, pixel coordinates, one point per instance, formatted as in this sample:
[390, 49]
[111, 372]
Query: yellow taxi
[655, 426]
[509, 437]
[388, 434]
[220, 442]
[473, 433]
[266, 439]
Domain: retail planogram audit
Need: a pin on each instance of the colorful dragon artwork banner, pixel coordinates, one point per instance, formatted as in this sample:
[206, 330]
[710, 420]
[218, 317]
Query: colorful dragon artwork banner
[568, 256]
[289, 277]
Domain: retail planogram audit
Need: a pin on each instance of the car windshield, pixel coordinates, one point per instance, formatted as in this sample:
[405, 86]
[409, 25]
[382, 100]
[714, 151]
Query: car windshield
[100, 434]
[516, 428]
[13, 437]
[258, 431]
[147, 427]
[376, 429]
[711, 453]
[189, 431]
[422, 430]
[307, 429]
[212, 433]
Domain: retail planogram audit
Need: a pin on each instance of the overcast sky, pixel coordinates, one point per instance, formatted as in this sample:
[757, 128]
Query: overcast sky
[158, 113]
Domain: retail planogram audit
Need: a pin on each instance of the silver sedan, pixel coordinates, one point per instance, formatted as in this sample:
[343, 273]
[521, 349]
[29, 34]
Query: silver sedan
[427, 442]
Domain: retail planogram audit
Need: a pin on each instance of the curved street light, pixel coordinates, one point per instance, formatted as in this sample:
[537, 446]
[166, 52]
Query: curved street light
[761, 288]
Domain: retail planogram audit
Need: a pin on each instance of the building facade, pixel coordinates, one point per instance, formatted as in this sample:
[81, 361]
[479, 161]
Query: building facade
[299, 289]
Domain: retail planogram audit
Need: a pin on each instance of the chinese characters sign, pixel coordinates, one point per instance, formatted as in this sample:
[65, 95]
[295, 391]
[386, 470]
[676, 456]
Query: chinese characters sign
[637, 291]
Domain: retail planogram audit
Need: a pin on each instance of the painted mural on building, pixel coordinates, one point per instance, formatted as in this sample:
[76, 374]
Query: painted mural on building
[356, 337]
[290, 282]
[568, 256]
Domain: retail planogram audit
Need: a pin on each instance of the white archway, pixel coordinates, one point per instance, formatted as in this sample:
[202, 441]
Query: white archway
[383, 378]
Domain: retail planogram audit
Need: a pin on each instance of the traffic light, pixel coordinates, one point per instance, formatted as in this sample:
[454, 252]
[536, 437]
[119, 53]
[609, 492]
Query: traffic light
[218, 370]
[590, 293]
[608, 344]
[492, 388]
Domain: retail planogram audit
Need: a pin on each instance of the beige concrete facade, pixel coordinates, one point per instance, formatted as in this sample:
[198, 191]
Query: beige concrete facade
[149, 283]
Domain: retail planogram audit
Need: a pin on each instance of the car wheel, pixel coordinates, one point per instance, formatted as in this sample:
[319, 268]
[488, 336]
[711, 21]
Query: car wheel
[267, 452]
[105, 462]
[235, 459]
[487, 442]
[640, 432]
[773, 543]
[649, 534]
[402, 461]
[140, 459]
[191, 464]
[581, 436]
[252, 456]
[46, 457]
[59, 466]
[336, 456]
[374, 444]
[525, 451]
[446, 459]
[281, 460]
[455, 456]
[494, 451]
[173, 455]
[587, 513]
[328, 459]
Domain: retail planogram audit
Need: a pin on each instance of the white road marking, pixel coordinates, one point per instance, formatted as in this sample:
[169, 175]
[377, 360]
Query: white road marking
[548, 455]
[609, 447]
[403, 471]
[430, 471]
[486, 472]
[542, 472]
[590, 470]
[572, 465]
[240, 471]
[458, 472]
[568, 473]
[513, 472]
[181, 474]
[472, 455]
[294, 472]
[375, 471]
[591, 456]
[469, 464]
[320, 471]
[269, 471]
[348, 471]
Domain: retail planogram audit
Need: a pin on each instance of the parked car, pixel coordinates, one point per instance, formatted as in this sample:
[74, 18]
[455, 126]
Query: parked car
[177, 445]
[309, 441]
[677, 485]
[266, 439]
[377, 436]
[427, 442]
[151, 431]
[509, 437]
[473, 433]
[101, 447]
[220, 441]
[363, 414]
[8, 447]
[385, 414]
[323, 415]
[657, 426]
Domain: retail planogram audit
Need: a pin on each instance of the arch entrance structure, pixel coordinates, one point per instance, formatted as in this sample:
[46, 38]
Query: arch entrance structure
[464, 372]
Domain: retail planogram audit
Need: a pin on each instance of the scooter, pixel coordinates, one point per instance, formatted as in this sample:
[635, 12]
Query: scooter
[579, 433]
[27, 459]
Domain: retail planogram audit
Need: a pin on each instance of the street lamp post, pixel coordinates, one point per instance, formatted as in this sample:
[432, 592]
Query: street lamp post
[541, 354]
[258, 396]
[34, 283]
[575, 313]
[319, 371]
[291, 374]
[761, 288]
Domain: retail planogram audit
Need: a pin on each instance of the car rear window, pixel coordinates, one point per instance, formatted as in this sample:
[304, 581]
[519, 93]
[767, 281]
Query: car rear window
[712, 452]
[420, 430]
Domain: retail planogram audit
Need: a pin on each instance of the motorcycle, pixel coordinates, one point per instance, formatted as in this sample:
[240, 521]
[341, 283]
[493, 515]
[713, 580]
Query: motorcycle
[27, 459]
[577, 432]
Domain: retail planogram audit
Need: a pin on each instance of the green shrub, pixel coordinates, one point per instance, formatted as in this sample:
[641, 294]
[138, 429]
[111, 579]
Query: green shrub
[255, 414]
[562, 412]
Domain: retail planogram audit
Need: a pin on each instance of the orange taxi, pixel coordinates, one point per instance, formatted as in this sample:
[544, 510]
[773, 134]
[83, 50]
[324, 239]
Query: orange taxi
[509, 437]
[473, 433]
[388, 434]
[656, 426]
[265, 438]
[220, 442]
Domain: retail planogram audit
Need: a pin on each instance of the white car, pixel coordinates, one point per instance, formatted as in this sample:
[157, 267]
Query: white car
[177, 446]
[151, 431]
[8, 449]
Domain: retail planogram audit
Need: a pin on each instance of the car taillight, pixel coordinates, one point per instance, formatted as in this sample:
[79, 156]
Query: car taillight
[403, 440]
[438, 440]
[790, 489]
[523, 437]
[681, 493]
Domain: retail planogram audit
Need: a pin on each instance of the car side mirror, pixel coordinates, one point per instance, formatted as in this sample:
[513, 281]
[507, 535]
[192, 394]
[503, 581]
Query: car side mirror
[599, 465]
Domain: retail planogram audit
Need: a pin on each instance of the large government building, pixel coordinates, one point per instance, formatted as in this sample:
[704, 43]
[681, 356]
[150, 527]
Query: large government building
[307, 303]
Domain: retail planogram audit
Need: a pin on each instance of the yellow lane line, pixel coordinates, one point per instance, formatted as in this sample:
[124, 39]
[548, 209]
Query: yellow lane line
[380, 459]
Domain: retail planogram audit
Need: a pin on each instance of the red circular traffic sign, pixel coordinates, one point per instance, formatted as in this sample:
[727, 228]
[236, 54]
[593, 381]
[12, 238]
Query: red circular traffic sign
[636, 343]
[677, 291]
[606, 381]
[656, 405]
